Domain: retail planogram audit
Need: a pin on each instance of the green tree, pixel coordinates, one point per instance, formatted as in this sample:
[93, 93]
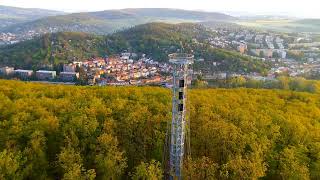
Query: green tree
[291, 166]
[71, 163]
[83, 78]
[11, 165]
[200, 83]
[284, 82]
[237, 81]
[148, 171]
[37, 164]
[275, 54]
[202, 168]
[261, 54]
[110, 162]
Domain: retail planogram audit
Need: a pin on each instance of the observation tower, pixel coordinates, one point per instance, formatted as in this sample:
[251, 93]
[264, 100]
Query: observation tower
[177, 132]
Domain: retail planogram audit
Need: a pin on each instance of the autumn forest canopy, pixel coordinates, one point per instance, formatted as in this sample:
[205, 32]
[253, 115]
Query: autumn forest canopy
[70, 132]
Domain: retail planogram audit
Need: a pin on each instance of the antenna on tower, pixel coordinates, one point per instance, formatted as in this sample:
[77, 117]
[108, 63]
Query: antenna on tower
[176, 132]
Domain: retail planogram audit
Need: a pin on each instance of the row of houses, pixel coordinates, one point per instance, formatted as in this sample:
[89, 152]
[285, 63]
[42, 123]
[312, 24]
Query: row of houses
[41, 75]
[269, 53]
[119, 68]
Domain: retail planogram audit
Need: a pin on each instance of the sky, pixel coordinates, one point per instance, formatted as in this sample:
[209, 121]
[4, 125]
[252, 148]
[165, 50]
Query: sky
[296, 8]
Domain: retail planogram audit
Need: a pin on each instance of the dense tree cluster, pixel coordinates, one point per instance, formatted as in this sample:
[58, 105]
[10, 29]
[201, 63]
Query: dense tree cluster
[52, 49]
[286, 83]
[282, 82]
[248, 134]
[70, 132]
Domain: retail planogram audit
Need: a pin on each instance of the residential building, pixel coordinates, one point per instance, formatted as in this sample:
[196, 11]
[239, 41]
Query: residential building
[23, 74]
[68, 76]
[282, 53]
[77, 63]
[69, 68]
[7, 71]
[46, 75]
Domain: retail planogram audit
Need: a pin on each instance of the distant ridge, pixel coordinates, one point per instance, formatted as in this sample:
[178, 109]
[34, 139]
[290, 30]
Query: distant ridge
[13, 15]
[309, 21]
[177, 13]
[30, 12]
[105, 22]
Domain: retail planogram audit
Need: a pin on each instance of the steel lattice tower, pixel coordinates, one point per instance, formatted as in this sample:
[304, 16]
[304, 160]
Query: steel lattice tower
[181, 63]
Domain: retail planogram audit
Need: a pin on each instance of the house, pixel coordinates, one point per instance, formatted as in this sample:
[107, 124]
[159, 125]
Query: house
[46, 75]
[92, 78]
[136, 74]
[69, 68]
[219, 76]
[112, 61]
[68, 76]
[24, 74]
[242, 48]
[282, 53]
[156, 79]
[125, 58]
[266, 52]
[7, 71]
[77, 63]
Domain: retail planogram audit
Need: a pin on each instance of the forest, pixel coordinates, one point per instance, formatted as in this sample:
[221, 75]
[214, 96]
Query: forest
[156, 40]
[77, 132]
[282, 82]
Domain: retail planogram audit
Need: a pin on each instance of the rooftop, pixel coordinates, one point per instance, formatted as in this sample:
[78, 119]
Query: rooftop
[44, 71]
[68, 72]
[22, 70]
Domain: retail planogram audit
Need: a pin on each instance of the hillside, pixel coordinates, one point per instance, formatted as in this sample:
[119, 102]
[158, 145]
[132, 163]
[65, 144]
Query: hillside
[109, 21]
[52, 49]
[160, 39]
[13, 15]
[155, 39]
[55, 132]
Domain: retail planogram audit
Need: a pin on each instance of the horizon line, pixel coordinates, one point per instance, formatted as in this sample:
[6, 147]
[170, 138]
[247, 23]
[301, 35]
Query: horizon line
[231, 13]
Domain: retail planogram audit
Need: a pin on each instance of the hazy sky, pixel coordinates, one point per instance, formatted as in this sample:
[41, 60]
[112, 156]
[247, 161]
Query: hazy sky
[298, 8]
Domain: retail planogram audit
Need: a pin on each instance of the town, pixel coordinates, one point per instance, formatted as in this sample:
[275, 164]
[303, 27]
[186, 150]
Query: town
[115, 70]
[293, 55]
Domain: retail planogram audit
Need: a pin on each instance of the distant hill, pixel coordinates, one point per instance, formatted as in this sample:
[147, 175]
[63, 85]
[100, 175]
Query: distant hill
[109, 21]
[284, 25]
[315, 22]
[154, 39]
[13, 15]
[179, 14]
[219, 24]
[160, 39]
